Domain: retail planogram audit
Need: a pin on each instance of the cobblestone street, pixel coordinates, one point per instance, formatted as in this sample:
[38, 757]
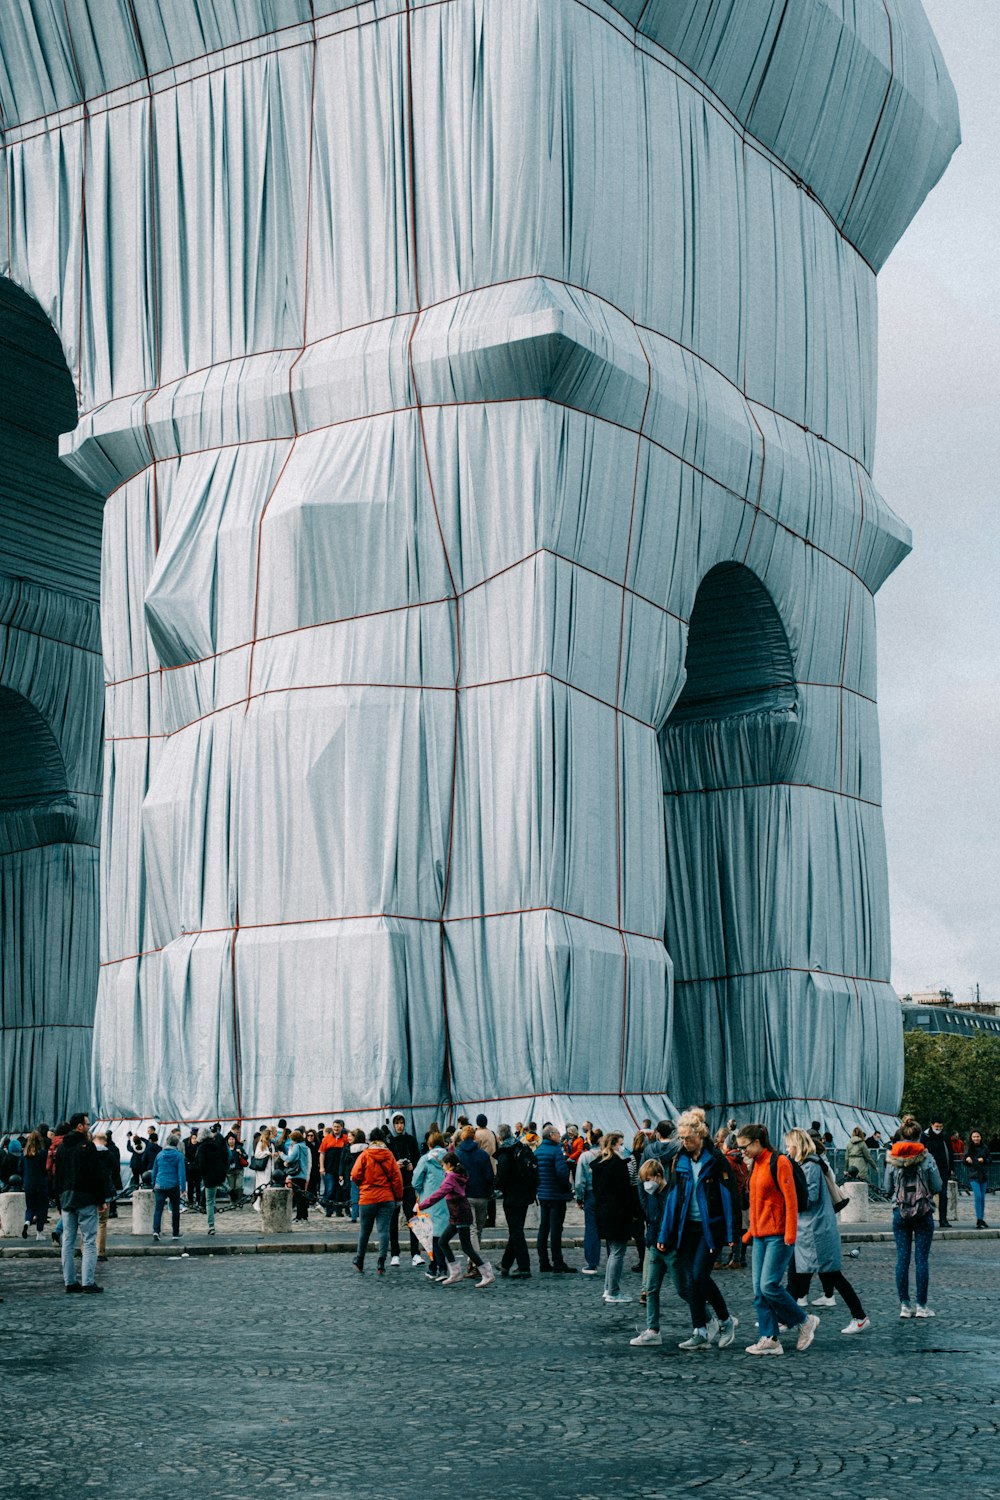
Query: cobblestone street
[239, 1377]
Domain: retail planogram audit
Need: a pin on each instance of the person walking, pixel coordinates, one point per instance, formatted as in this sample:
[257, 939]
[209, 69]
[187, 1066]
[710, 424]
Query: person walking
[212, 1162]
[81, 1191]
[380, 1191]
[774, 1217]
[404, 1148]
[554, 1192]
[817, 1243]
[614, 1197]
[912, 1179]
[664, 1145]
[858, 1160]
[939, 1147]
[699, 1215]
[481, 1183]
[584, 1189]
[517, 1183]
[658, 1262]
[428, 1176]
[977, 1163]
[453, 1192]
[168, 1180]
[35, 1181]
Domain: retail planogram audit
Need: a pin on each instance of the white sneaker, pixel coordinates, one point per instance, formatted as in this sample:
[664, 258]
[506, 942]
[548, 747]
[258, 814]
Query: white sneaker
[857, 1325]
[765, 1346]
[924, 1312]
[618, 1298]
[905, 1310]
[727, 1331]
[712, 1329]
[807, 1332]
[590, 1271]
[417, 1260]
[394, 1261]
[802, 1301]
[698, 1340]
[646, 1339]
[822, 1302]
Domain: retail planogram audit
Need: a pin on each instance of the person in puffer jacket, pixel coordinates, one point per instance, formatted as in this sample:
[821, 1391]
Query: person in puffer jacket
[168, 1181]
[554, 1192]
[380, 1188]
[454, 1191]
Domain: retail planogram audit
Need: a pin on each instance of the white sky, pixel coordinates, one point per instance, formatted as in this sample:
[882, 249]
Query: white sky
[937, 464]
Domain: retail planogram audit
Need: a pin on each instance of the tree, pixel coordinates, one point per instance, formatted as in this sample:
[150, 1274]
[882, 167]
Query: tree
[953, 1078]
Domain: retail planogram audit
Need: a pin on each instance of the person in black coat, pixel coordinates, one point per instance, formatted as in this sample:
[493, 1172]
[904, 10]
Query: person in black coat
[938, 1146]
[977, 1163]
[212, 1166]
[81, 1187]
[517, 1184]
[192, 1170]
[614, 1201]
[404, 1148]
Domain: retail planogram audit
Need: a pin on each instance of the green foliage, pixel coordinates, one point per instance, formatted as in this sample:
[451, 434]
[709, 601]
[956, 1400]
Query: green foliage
[954, 1079]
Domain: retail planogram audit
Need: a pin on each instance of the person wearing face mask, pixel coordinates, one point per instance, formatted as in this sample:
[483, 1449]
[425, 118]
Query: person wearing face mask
[938, 1146]
[653, 1191]
[700, 1213]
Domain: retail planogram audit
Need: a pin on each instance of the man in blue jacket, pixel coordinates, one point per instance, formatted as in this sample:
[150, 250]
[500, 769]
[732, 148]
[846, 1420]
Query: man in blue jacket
[554, 1192]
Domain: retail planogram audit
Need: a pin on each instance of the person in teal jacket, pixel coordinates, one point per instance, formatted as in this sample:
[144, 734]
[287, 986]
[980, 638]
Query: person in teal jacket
[169, 1179]
[428, 1176]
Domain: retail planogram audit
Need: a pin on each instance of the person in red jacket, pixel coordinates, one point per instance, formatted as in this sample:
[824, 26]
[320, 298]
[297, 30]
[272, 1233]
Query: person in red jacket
[774, 1217]
[380, 1189]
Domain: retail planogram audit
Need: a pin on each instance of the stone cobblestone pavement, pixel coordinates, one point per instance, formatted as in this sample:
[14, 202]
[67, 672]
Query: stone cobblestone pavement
[235, 1377]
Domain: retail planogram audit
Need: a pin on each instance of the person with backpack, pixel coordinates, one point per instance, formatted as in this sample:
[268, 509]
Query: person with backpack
[775, 1194]
[699, 1213]
[460, 1221]
[977, 1163]
[517, 1183]
[817, 1244]
[911, 1180]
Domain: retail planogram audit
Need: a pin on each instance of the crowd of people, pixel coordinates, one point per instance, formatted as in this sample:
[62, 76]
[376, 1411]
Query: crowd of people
[692, 1204]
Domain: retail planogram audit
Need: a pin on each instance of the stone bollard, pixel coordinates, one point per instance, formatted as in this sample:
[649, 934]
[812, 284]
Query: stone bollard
[11, 1215]
[142, 1211]
[276, 1210]
[953, 1200]
[856, 1210]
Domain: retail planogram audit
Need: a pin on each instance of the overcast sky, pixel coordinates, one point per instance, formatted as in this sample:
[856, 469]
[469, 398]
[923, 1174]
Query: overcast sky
[938, 466]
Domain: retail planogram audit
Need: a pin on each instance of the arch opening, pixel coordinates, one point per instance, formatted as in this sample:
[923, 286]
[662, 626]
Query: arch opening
[32, 772]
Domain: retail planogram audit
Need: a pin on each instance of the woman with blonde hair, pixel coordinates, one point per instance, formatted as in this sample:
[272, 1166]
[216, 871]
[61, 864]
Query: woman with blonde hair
[613, 1202]
[817, 1244]
[262, 1163]
[699, 1218]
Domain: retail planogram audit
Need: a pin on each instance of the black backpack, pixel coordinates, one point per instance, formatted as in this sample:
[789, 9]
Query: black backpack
[524, 1172]
[801, 1185]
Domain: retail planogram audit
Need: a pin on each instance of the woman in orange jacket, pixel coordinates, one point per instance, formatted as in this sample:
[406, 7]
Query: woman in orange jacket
[774, 1215]
[380, 1188]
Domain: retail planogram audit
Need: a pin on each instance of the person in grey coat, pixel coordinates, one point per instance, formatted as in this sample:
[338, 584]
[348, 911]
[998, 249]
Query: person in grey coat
[817, 1244]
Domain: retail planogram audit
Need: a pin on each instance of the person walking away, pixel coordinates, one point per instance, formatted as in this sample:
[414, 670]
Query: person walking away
[35, 1180]
[404, 1148]
[213, 1168]
[428, 1176]
[774, 1218]
[613, 1199]
[297, 1163]
[517, 1183]
[554, 1192]
[478, 1168]
[699, 1214]
[137, 1160]
[380, 1190]
[168, 1179]
[939, 1147]
[80, 1188]
[912, 1179]
[104, 1157]
[583, 1187]
[658, 1262]
[977, 1163]
[453, 1192]
[664, 1145]
[817, 1243]
[858, 1160]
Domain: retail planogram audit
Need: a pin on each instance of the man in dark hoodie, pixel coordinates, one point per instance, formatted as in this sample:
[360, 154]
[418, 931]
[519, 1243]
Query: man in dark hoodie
[517, 1181]
[80, 1185]
[404, 1148]
[212, 1163]
[664, 1146]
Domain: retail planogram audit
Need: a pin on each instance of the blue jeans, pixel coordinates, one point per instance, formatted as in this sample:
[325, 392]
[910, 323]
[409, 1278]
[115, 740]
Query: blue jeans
[162, 1196]
[979, 1198]
[355, 1202]
[329, 1191]
[591, 1238]
[370, 1214]
[84, 1220]
[615, 1266]
[912, 1234]
[771, 1259]
[210, 1193]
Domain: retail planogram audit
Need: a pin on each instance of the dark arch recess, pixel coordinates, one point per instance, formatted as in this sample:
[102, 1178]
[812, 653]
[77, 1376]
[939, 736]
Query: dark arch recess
[32, 773]
[738, 659]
